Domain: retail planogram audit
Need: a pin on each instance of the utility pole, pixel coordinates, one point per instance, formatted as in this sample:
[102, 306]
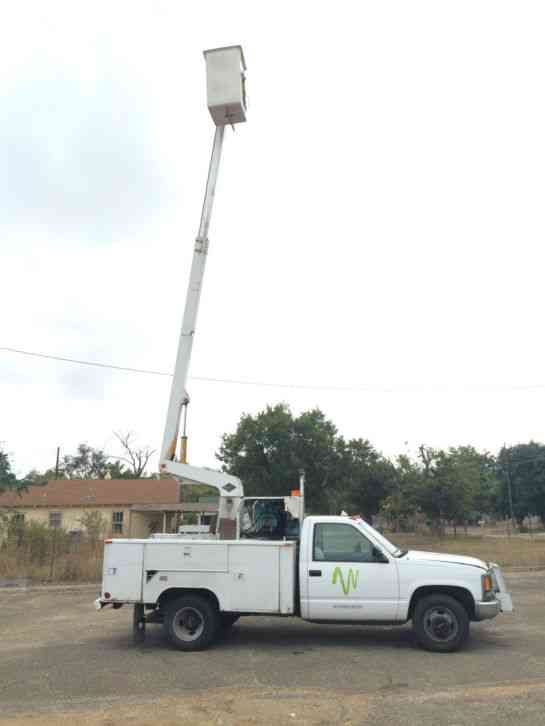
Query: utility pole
[57, 462]
[509, 486]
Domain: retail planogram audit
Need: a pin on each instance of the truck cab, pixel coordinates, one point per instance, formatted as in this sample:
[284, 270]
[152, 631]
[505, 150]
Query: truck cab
[350, 571]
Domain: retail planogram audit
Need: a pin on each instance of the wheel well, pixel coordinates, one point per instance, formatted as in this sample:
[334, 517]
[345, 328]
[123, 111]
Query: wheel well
[463, 596]
[175, 592]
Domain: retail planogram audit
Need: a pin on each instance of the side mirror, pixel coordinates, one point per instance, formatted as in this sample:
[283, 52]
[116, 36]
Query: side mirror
[378, 556]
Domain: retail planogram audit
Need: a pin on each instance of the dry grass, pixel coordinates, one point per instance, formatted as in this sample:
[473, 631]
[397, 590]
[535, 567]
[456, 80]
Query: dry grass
[33, 551]
[83, 566]
[515, 551]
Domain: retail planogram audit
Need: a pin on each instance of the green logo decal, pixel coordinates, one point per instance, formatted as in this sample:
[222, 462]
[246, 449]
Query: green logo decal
[351, 580]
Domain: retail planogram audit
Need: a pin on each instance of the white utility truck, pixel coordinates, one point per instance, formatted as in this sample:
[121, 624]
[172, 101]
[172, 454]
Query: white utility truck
[264, 557]
[340, 570]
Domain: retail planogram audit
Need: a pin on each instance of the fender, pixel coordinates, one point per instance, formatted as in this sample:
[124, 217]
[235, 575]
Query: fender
[407, 590]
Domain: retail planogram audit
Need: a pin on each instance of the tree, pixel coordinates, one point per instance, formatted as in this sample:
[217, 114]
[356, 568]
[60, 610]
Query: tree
[448, 487]
[267, 450]
[401, 504]
[364, 478]
[136, 458]
[262, 452]
[7, 477]
[37, 478]
[87, 463]
[523, 467]
[8, 480]
[90, 463]
[486, 499]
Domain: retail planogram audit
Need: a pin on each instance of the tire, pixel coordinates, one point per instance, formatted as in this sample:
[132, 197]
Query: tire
[440, 623]
[191, 622]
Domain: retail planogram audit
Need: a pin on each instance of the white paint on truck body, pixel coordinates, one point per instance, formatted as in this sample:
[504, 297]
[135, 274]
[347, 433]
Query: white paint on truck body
[347, 571]
[244, 575]
[122, 571]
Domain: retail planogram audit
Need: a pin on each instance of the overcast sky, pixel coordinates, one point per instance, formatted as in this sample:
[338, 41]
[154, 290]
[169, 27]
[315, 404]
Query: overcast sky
[378, 224]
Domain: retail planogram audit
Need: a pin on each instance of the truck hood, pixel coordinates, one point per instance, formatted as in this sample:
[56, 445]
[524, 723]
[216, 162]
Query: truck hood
[418, 555]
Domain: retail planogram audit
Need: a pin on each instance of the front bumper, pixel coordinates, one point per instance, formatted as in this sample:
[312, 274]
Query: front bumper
[487, 610]
[502, 603]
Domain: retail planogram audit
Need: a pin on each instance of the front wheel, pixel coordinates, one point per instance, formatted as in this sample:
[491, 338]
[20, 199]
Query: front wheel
[441, 623]
[191, 622]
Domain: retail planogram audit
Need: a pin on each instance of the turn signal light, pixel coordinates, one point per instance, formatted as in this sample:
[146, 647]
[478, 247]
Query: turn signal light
[488, 588]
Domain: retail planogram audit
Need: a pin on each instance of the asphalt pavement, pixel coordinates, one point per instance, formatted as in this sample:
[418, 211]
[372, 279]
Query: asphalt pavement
[62, 661]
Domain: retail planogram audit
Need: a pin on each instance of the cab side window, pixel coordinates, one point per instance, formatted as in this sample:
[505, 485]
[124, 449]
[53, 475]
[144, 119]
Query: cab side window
[341, 543]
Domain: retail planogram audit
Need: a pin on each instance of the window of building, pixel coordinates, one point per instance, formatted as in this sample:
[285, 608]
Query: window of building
[117, 522]
[55, 520]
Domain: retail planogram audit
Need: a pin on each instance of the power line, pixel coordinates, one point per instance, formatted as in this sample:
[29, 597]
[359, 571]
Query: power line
[365, 388]
[85, 362]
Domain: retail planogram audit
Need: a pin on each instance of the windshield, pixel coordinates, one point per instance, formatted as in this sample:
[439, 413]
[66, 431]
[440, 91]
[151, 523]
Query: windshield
[381, 539]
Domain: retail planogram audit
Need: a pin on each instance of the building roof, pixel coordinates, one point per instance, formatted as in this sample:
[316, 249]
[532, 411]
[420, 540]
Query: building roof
[97, 492]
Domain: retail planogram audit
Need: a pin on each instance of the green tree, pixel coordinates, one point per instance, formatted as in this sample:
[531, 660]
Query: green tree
[267, 450]
[8, 480]
[449, 484]
[364, 478]
[91, 463]
[524, 467]
[7, 477]
[262, 452]
[486, 499]
[87, 463]
[402, 503]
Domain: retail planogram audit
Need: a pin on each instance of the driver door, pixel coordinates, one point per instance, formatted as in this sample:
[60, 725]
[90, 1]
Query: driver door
[348, 577]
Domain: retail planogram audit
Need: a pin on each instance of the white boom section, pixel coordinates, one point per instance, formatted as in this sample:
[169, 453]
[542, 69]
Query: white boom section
[228, 486]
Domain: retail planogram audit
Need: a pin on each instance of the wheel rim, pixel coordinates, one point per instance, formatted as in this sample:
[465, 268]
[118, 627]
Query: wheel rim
[188, 624]
[441, 624]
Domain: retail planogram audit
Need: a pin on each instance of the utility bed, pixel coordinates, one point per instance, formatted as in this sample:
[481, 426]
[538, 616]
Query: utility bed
[246, 576]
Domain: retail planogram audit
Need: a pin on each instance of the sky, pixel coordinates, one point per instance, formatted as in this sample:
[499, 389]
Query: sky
[376, 248]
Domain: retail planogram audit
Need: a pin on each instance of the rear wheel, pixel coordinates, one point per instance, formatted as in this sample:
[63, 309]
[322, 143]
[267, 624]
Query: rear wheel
[191, 622]
[441, 623]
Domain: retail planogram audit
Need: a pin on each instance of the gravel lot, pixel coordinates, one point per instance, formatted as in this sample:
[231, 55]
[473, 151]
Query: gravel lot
[63, 662]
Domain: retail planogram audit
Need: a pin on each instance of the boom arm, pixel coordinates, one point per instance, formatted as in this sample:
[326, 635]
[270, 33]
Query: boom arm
[228, 486]
[178, 395]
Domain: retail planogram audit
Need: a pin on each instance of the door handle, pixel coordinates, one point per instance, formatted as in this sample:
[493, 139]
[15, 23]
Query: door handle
[315, 573]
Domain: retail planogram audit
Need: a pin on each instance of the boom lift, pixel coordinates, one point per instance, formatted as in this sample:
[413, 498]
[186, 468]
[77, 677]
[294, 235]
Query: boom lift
[198, 588]
[226, 96]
